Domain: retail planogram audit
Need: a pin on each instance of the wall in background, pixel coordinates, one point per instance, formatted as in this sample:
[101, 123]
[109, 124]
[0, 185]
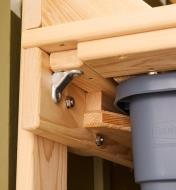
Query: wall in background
[15, 43]
[122, 178]
[4, 91]
[80, 173]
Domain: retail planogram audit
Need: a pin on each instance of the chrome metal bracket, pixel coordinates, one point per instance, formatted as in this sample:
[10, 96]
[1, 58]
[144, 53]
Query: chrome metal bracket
[60, 80]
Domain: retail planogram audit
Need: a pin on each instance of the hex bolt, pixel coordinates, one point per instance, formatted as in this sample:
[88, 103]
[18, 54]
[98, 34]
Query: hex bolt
[99, 140]
[69, 102]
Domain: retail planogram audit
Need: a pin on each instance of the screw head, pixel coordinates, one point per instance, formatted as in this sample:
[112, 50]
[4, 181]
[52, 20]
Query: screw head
[152, 73]
[99, 140]
[69, 102]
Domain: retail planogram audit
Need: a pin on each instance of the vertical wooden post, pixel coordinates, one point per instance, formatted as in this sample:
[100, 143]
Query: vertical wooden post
[41, 163]
[50, 165]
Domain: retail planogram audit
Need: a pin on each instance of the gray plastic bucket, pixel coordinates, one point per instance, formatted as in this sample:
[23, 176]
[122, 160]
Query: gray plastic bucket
[151, 103]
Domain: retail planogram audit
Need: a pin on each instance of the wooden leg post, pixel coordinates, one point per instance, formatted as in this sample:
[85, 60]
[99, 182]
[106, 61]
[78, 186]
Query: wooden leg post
[51, 165]
[42, 164]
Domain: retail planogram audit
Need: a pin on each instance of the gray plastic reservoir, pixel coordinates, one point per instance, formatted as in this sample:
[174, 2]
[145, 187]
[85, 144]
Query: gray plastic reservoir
[150, 101]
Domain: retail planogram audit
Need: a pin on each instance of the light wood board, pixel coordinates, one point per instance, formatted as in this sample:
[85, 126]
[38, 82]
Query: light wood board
[131, 54]
[32, 15]
[66, 36]
[106, 124]
[63, 11]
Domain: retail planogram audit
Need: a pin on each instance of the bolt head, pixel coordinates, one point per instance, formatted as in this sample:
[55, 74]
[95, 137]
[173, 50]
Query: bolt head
[70, 102]
[99, 140]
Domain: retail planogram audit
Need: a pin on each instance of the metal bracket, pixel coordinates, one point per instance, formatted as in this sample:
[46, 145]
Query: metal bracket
[60, 80]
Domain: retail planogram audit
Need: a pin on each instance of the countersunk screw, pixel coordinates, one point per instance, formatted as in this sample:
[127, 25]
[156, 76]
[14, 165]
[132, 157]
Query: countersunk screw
[99, 140]
[70, 102]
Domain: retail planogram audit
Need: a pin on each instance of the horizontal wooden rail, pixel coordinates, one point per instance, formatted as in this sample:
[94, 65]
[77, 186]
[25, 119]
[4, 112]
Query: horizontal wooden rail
[66, 36]
[131, 54]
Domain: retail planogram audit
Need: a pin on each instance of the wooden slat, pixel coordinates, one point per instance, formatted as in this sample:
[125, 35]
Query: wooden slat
[131, 54]
[62, 11]
[66, 36]
[111, 125]
[32, 16]
[106, 119]
[90, 81]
